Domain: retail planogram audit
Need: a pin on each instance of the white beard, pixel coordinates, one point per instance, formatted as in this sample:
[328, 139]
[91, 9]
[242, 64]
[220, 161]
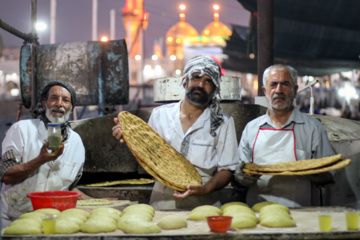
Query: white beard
[57, 119]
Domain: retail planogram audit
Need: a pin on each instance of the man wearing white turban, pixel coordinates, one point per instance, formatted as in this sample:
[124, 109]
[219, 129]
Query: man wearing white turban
[197, 128]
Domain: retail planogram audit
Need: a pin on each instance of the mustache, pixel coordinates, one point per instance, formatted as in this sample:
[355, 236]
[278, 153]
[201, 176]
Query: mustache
[201, 90]
[278, 95]
[58, 109]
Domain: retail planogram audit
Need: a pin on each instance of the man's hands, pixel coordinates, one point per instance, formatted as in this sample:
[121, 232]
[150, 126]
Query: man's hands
[116, 131]
[191, 190]
[244, 179]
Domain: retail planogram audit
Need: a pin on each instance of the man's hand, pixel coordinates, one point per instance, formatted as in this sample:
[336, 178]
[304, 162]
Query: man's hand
[116, 131]
[244, 179]
[191, 190]
[45, 156]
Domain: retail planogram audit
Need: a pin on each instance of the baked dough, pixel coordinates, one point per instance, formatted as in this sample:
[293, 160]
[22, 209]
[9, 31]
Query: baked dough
[172, 222]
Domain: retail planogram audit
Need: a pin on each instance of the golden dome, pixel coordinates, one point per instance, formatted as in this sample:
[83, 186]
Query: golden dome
[181, 33]
[215, 32]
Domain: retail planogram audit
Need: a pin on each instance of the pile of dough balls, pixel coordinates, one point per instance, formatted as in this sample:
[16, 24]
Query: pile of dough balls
[274, 215]
[243, 215]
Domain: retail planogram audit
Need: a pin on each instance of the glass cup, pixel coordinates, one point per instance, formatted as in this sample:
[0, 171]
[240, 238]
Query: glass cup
[325, 220]
[48, 223]
[352, 219]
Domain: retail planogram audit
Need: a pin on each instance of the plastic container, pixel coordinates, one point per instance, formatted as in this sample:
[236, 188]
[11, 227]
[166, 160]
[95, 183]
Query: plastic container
[219, 224]
[59, 200]
[54, 136]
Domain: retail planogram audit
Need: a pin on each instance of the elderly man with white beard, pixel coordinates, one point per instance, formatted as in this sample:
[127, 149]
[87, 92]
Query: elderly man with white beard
[283, 134]
[28, 166]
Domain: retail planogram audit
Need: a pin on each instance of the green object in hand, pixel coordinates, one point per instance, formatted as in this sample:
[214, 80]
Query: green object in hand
[54, 142]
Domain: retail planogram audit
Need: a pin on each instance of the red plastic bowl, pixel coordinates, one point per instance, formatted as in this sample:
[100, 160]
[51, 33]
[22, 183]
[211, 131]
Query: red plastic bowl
[60, 200]
[219, 224]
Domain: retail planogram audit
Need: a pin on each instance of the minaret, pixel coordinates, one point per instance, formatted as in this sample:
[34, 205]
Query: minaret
[135, 20]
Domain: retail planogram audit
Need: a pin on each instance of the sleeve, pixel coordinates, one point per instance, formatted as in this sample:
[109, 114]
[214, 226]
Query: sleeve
[321, 142]
[245, 149]
[227, 147]
[14, 141]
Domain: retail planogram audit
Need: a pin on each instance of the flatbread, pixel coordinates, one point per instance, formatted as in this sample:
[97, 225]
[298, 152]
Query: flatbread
[294, 165]
[122, 182]
[155, 155]
[93, 202]
[337, 165]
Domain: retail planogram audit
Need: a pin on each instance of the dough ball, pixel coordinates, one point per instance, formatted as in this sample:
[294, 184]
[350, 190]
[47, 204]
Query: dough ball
[277, 221]
[113, 216]
[26, 221]
[274, 207]
[96, 225]
[22, 229]
[71, 218]
[201, 215]
[237, 208]
[140, 207]
[62, 226]
[243, 214]
[243, 222]
[76, 211]
[48, 211]
[137, 227]
[257, 206]
[224, 206]
[33, 215]
[208, 208]
[172, 222]
[107, 210]
[144, 216]
[103, 218]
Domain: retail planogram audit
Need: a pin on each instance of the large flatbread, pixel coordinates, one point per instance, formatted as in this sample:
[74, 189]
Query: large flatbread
[331, 167]
[155, 155]
[294, 165]
[121, 182]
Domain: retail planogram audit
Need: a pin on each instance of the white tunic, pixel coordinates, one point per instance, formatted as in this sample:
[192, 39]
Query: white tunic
[207, 153]
[26, 138]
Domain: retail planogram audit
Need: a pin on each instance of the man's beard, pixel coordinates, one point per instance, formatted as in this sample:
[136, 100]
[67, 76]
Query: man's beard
[198, 99]
[286, 103]
[57, 118]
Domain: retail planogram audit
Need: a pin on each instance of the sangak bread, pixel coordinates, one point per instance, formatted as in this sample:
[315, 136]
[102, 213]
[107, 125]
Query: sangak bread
[331, 167]
[121, 182]
[155, 155]
[294, 165]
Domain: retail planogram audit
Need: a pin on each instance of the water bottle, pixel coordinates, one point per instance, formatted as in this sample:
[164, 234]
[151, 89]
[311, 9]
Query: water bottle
[54, 136]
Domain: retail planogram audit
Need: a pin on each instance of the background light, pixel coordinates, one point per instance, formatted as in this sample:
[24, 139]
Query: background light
[40, 26]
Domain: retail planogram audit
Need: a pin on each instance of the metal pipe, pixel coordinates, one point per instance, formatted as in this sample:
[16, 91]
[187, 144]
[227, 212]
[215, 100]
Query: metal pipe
[27, 37]
[265, 32]
[33, 55]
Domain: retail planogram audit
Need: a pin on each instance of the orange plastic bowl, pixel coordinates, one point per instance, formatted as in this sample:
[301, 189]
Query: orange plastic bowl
[60, 200]
[219, 224]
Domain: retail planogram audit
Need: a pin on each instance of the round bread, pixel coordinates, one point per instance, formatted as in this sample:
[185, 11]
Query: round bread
[224, 206]
[277, 221]
[22, 229]
[62, 226]
[48, 211]
[172, 222]
[98, 225]
[137, 226]
[243, 222]
[257, 206]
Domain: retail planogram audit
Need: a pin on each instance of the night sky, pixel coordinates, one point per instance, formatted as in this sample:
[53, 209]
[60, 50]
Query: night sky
[74, 18]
